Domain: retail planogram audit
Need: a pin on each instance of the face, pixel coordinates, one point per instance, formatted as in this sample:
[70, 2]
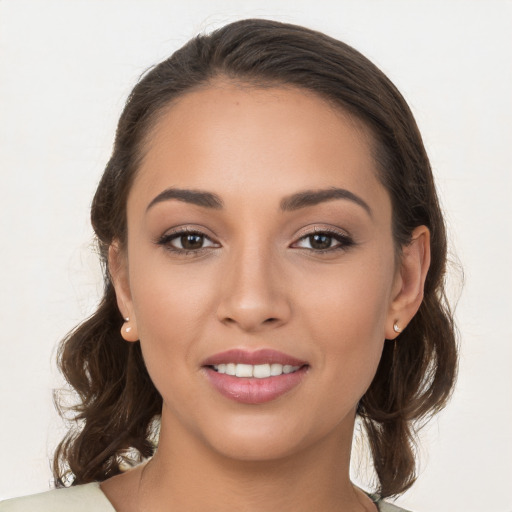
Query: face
[261, 273]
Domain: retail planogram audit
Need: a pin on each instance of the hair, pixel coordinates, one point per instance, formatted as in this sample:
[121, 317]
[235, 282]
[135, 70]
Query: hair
[118, 405]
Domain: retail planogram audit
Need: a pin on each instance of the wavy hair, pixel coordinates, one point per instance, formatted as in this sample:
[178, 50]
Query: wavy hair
[118, 405]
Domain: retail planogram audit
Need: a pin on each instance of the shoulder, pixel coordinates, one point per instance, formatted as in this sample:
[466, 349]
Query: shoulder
[388, 507]
[81, 498]
[383, 506]
[90, 498]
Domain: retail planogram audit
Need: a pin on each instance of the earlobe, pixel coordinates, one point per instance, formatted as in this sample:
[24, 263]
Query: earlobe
[414, 265]
[118, 269]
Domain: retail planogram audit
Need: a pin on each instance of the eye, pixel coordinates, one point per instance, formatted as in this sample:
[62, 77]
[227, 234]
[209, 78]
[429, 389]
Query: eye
[186, 241]
[321, 241]
[191, 242]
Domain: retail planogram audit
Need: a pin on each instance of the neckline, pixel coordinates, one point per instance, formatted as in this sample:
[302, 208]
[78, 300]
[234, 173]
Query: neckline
[375, 498]
[101, 495]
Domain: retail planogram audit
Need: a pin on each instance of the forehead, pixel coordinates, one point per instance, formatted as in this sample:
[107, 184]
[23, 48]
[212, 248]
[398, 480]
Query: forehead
[235, 139]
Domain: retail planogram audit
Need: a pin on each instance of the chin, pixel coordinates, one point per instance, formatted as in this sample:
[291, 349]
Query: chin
[264, 437]
[263, 449]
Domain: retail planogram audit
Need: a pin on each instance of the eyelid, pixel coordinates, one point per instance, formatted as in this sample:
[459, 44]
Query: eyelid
[345, 240]
[174, 233]
[323, 229]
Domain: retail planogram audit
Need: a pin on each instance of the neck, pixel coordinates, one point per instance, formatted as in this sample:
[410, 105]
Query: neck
[316, 478]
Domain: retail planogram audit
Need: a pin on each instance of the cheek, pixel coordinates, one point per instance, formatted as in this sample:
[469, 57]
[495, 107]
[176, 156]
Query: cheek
[346, 317]
[168, 298]
[171, 307]
[352, 301]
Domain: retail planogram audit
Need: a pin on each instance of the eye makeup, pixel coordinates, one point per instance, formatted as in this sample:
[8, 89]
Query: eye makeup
[192, 240]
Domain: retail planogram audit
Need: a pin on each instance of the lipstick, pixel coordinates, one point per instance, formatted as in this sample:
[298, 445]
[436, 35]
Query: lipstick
[254, 377]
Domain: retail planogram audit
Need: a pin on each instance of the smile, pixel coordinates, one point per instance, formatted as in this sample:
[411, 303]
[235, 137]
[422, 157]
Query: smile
[254, 377]
[258, 371]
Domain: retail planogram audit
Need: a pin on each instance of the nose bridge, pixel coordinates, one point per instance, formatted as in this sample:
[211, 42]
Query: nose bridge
[253, 296]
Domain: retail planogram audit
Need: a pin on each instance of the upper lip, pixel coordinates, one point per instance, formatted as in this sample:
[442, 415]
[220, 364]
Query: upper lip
[261, 356]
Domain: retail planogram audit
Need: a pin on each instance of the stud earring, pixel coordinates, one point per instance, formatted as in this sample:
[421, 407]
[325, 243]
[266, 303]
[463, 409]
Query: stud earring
[127, 328]
[396, 328]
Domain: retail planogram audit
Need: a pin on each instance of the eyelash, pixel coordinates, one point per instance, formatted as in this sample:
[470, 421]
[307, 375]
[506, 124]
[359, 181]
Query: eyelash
[345, 241]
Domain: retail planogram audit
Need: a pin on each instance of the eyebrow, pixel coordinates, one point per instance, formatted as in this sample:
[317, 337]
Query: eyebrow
[288, 204]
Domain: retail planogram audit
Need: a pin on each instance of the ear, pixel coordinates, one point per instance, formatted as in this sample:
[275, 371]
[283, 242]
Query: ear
[409, 282]
[118, 268]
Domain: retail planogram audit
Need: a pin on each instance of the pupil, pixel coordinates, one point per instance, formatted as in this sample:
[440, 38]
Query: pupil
[191, 241]
[321, 241]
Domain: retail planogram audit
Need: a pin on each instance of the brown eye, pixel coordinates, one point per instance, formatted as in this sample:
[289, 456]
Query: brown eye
[320, 241]
[190, 241]
[325, 241]
[186, 242]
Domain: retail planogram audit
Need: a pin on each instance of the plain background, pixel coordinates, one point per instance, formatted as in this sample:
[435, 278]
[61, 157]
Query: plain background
[66, 68]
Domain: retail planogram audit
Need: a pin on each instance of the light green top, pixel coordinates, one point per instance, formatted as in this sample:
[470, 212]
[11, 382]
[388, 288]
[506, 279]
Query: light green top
[89, 497]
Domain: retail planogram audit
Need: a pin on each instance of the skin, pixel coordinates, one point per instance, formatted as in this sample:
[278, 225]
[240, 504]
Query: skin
[259, 282]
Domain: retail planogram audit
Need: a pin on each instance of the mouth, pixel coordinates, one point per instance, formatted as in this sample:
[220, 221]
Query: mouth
[254, 377]
[257, 371]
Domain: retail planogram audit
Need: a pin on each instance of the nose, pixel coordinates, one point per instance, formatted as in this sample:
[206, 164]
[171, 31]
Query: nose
[254, 294]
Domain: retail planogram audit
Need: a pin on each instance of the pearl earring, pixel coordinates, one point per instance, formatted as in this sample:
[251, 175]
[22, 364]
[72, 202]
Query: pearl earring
[127, 328]
[396, 328]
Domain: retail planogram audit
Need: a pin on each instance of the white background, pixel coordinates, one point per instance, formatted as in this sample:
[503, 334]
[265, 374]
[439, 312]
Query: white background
[66, 68]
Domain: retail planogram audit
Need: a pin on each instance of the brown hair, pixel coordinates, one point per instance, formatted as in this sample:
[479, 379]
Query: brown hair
[117, 400]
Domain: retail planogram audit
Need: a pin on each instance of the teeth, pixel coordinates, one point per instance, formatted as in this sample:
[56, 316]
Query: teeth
[258, 371]
[243, 370]
[276, 369]
[261, 371]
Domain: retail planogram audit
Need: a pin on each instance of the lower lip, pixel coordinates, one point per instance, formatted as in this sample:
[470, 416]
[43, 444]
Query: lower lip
[252, 390]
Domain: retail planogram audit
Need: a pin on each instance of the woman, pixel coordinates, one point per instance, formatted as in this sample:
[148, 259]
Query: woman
[274, 258]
